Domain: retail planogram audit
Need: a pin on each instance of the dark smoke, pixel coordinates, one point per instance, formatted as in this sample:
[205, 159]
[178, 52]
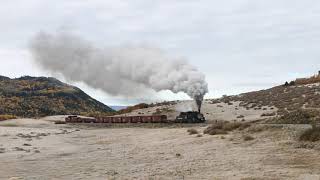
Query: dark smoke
[199, 100]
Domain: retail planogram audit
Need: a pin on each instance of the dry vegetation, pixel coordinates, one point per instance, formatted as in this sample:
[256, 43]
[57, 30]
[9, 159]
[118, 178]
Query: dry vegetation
[301, 116]
[310, 80]
[144, 106]
[248, 137]
[41, 96]
[285, 98]
[223, 127]
[268, 114]
[132, 108]
[192, 131]
[312, 134]
[7, 117]
[59, 122]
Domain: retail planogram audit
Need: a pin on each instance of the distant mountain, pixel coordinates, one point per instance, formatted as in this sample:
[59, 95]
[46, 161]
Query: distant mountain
[117, 108]
[42, 96]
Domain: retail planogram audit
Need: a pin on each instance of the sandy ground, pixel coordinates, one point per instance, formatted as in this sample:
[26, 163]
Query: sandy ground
[40, 149]
[212, 112]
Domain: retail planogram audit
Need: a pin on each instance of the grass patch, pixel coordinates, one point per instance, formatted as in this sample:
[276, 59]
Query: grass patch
[312, 135]
[9, 125]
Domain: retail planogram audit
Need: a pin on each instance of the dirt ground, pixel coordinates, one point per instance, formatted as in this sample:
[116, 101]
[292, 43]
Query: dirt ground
[212, 112]
[40, 149]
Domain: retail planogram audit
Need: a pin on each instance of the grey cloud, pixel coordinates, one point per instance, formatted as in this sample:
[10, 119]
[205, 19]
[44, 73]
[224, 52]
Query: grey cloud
[246, 39]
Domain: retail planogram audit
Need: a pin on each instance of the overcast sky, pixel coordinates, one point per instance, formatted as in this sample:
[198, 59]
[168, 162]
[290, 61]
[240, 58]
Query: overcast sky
[240, 45]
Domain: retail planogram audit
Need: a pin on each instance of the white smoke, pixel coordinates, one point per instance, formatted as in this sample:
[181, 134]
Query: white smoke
[184, 106]
[119, 70]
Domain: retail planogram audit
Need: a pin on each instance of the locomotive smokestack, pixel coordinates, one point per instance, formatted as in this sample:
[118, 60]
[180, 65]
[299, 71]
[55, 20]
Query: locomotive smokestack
[199, 100]
[199, 107]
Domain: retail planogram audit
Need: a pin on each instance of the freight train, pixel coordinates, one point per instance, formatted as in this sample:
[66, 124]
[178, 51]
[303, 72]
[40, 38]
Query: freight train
[184, 117]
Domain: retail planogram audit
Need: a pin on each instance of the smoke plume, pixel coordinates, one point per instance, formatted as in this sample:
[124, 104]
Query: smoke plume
[119, 70]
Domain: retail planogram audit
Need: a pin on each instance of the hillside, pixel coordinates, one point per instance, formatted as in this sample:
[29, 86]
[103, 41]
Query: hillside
[41, 96]
[303, 93]
[285, 98]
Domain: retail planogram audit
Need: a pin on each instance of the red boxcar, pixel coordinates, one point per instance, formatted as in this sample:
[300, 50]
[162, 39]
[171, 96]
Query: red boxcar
[136, 119]
[89, 120]
[146, 119]
[159, 119]
[126, 119]
[107, 119]
[99, 120]
[118, 119]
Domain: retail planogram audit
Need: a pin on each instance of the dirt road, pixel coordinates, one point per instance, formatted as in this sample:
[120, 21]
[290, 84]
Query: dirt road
[39, 149]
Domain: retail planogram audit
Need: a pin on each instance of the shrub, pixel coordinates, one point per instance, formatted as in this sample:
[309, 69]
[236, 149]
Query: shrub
[297, 117]
[257, 128]
[244, 126]
[59, 122]
[215, 101]
[240, 116]
[268, 114]
[223, 127]
[248, 138]
[235, 125]
[292, 83]
[312, 134]
[231, 126]
[211, 131]
[192, 131]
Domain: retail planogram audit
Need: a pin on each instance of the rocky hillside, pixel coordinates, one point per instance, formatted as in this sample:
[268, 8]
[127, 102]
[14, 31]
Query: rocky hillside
[286, 98]
[41, 96]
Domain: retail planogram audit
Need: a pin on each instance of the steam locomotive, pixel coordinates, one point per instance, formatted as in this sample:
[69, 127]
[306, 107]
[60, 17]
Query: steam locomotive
[184, 117]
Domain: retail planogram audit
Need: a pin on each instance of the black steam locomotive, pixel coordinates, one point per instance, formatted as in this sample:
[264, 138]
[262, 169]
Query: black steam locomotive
[190, 117]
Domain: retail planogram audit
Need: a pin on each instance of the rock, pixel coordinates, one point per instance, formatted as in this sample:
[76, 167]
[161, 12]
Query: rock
[19, 149]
